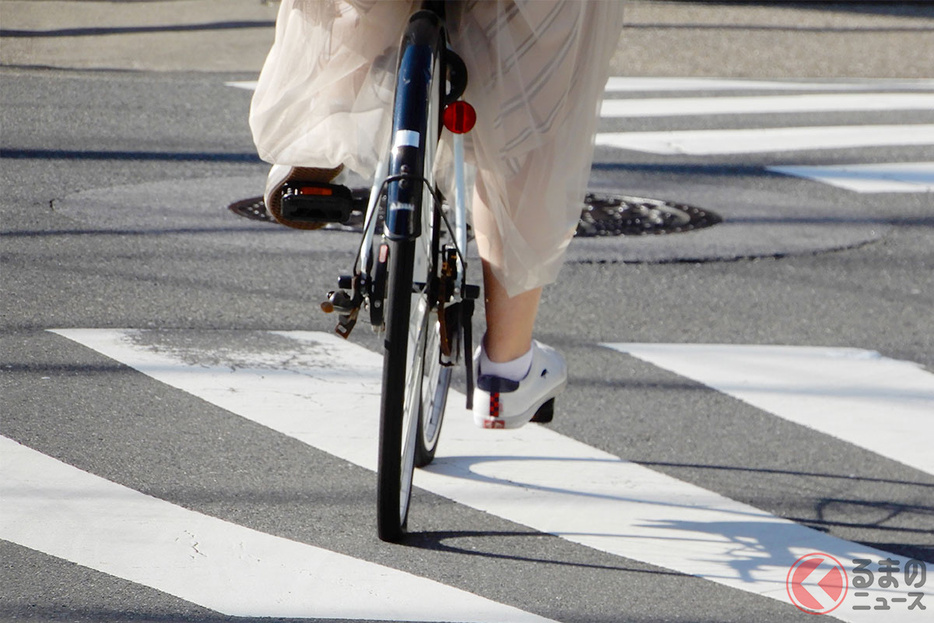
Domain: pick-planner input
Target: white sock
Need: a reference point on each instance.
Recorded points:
(514, 370)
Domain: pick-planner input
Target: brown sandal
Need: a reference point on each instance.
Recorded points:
(299, 174)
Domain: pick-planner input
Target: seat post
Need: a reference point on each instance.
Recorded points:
(435, 6)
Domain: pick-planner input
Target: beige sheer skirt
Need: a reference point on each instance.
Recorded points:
(537, 70)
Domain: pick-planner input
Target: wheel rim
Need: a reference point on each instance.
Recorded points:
(436, 380)
(414, 376)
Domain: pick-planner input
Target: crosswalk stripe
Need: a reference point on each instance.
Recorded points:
(832, 102)
(880, 404)
(246, 85)
(763, 140)
(629, 84)
(532, 476)
(894, 177)
(68, 513)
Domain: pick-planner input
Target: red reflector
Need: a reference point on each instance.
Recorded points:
(460, 117)
(315, 190)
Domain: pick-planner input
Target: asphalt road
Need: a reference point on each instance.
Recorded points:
(113, 205)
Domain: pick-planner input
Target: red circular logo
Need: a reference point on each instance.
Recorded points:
(817, 583)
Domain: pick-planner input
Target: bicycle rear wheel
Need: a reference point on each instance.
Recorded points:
(415, 387)
(415, 384)
(401, 388)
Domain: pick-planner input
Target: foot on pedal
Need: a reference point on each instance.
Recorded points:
(305, 198)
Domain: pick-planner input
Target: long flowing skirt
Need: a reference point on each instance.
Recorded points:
(537, 70)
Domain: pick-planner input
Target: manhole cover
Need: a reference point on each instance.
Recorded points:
(253, 208)
(616, 215)
(605, 215)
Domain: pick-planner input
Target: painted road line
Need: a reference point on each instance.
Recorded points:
(763, 140)
(65, 512)
(304, 384)
(249, 85)
(824, 102)
(873, 402)
(901, 177)
(618, 84)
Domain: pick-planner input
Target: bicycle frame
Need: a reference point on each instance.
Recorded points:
(408, 190)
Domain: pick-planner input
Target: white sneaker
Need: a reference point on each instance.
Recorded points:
(502, 403)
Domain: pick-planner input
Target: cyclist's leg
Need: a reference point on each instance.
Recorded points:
(544, 67)
(518, 378)
(509, 320)
(323, 80)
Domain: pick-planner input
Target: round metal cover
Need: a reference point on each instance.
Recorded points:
(604, 215)
(253, 208)
(617, 215)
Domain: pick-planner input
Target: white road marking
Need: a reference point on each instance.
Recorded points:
(249, 85)
(881, 404)
(824, 102)
(68, 513)
(763, 140)
(901, 177)
(532, 476)
(618, 84)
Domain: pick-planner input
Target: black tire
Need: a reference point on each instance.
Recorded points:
(414, 388)
(394, 470)
(415, 384)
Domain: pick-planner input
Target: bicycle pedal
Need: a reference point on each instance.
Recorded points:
(316, 202)
(338, 301)
(545, 413)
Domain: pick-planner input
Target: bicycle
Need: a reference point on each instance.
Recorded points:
(412, 278)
